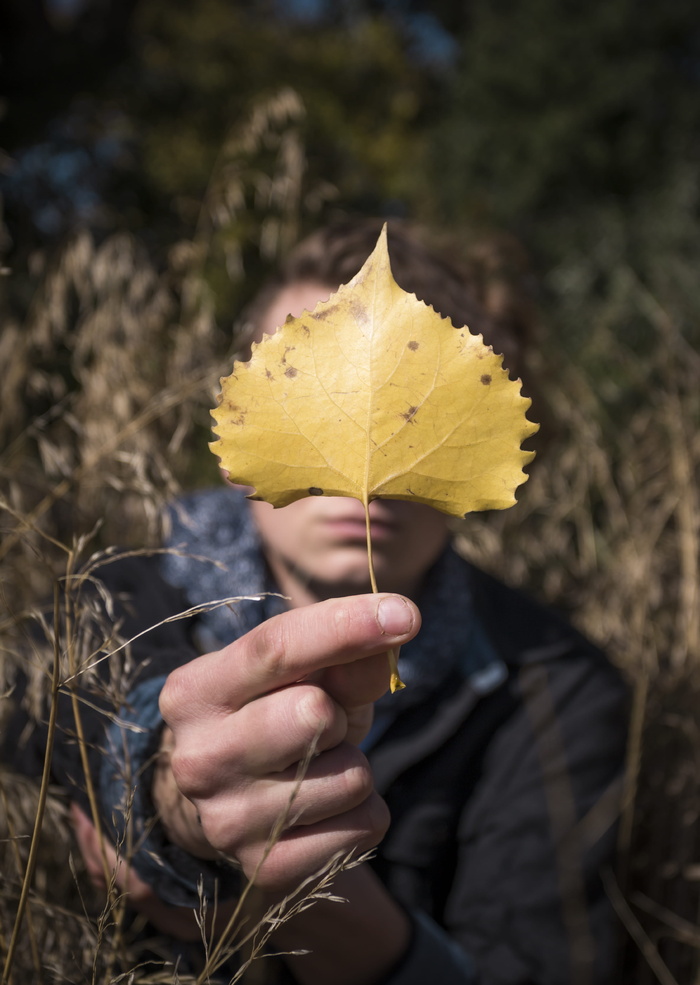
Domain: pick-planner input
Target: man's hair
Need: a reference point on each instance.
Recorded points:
(483, 290)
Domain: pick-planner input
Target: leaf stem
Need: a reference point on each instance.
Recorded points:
(396, 683)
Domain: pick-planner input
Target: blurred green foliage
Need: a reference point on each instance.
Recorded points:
(560, 105)
(222, 131)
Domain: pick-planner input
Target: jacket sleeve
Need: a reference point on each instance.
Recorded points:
(128, 597)
(124, 783)
(117, 701)
(527, 902)
(432, 957)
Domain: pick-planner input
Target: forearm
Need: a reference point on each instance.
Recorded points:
(355, 942)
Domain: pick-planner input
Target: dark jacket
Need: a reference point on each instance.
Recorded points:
(504, 804)
(503, 790)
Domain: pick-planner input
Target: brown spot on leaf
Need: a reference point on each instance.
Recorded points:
(410, 413)
(359, 312)
(486, 379)
(413, 345)
(269, 375)
(290, 372)
(236, 415)
(287, 348)
(315, 491)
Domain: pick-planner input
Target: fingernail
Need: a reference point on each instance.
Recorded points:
(394, 616)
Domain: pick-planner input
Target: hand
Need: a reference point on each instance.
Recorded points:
(242, 719)
(177, 921)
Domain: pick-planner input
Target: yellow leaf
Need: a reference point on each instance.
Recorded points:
(373, 394)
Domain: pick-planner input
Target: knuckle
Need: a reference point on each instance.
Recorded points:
(176, 695)
(358, 783)
(188, 772)
(376, 819)
(220, 835)
(344, 623)
(230, 828)
(268, 644)
(271, 868)
(316, 710)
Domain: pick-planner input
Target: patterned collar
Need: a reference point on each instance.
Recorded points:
(216, 554)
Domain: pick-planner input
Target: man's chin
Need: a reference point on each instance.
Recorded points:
(331, 588)
(357, 583)
(347, 579)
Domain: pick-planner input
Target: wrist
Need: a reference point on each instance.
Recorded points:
(329, 932)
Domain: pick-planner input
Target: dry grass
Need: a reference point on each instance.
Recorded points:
(608, 529)
(106, 389)
(107, 384)
(53, 925)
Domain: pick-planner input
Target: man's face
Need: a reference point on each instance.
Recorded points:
(317, 546)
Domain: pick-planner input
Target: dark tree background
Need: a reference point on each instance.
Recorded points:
(573, 125)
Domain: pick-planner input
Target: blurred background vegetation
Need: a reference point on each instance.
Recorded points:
(158, 157)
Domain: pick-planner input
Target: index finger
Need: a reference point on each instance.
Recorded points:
(286, 649)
